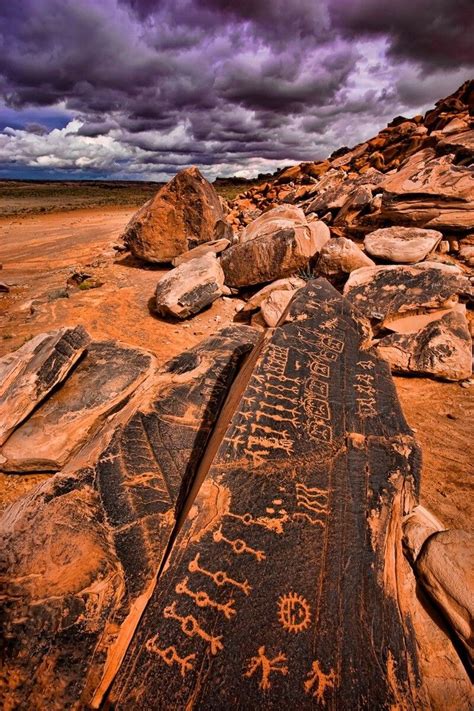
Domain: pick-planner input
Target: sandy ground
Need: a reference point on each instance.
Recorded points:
(38, 254)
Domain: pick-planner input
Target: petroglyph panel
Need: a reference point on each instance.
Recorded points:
(95, 539)
(281, 528)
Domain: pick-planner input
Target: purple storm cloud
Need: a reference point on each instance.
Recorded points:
(140, 88)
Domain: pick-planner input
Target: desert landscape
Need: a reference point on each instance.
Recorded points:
(204, 390)
(236, 355)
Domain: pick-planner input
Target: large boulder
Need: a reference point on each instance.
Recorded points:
(273, 255)
(429, 191)
(405, 245)
(381, 293)
(442, 348)
(190, 287)
(29, 374)
(339, 257)
(182, 215)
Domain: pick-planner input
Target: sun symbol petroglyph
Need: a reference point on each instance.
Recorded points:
(267, 665)
(190, 626)
(219, 577)
(317, 682)
(170, 656)
(294, 612)
(202, 599)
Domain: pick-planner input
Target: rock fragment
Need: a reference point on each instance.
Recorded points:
(339, 257)
(190, 287)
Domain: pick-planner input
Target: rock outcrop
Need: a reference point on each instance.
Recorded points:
(190, 287)
(80, 551)
(430, 191)
(182, 215)
(402, 245)
(31, 372)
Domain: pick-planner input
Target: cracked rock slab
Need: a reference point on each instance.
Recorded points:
(101, 384)
(28, 374)
(402, 245)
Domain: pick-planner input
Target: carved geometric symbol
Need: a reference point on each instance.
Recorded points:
(219, 577)
(190, 627)
(202, 599)
(268, 666)
(319, 681)
(294, 612)
(238, 545)
(170, 655)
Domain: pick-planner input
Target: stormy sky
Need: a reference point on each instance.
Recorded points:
(137, 89)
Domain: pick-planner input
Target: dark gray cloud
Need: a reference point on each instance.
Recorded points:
(152, 85)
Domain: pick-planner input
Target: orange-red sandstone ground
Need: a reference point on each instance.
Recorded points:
(38, 253)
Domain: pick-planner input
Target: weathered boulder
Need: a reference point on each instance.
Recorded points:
(445, 568)
(189, 288)
(101, 383)
(339, 257)
(300, 497)
(430, 192)
(80, 552)
(384, 292)
(31, 372)
(442, 348)
(403, 245)
(182, 215)
(279, 218)
(214, 247)
(274, 306)
(271, 256)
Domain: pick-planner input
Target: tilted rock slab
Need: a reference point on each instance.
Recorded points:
(443, 348)
(182, 215)
(430, 192)
(101, 383)
(279, 218)
(403, 245)
(384, 292)
(272, 256)
(215, 247)
(31, 372)
(280, 590)
(80, 552)
(191, 287)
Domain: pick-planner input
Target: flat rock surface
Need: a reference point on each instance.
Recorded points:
(101, 383)
(30, 373)
(315, 461)
(403, 245)
(94, 538)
